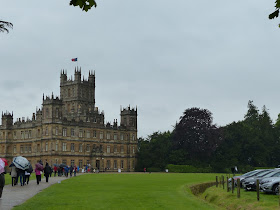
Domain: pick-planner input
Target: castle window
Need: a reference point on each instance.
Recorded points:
(29, 134)
(72, 132)
(122, 149)
(47, 131)
(64, 162)
(108, 149)
(64, 147)
(108, 135)
(80, 147)
(22, 134)
(94, 134)
(121, 163)
(56, 130)
(64, 132)
(133, 164)
(101, 135)
(115, 148)
(47, 146)
(133, 137)
(80, 164)
(115, 136)
(88, 134)
(94, 120)
(26, 134)
(101, 148)
(56, 146)
(80, 133)
(29, 149)
(56, 112)
(26, 149)
(72, 147)
(69, 93)
(72, 162)
(87, 148)
(108, 164)
(122, 136)
(15, 135)
(115, 164)
(133, 150)
(15, 149)
(21, 149)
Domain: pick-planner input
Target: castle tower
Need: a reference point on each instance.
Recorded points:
(78, 95)
(7, 120)
(129, 118)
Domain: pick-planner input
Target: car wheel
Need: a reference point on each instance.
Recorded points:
(275, 189)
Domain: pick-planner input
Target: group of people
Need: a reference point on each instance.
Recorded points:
(66, 170)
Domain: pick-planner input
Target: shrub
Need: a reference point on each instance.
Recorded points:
(187, 169)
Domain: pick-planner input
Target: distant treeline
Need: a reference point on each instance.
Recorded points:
(199, 144)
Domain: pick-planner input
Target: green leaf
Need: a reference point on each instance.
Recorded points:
(274, 14)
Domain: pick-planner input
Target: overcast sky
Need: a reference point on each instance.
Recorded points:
(161, 56)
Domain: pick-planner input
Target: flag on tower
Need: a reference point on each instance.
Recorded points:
(74, 59)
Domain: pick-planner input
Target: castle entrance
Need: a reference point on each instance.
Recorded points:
(98, 164)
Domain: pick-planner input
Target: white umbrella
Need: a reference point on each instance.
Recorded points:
(2, 166)
(21, 162)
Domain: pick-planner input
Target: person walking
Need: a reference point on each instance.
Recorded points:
(55, 170)
(21, 174)
(2, 182)
(38, 170)
(27, 175)
(75, 170)
(47, 171)
(14, 175)
(71, 170)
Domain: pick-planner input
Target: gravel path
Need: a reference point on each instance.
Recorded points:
(16, 195)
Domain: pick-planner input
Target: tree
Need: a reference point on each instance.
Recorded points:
(196, 135)
(275, 14)
(85, 5)
(5, 25)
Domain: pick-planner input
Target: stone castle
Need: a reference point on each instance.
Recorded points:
(71, 130)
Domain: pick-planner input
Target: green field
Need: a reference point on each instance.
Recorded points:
(248, 199)
(122, 191)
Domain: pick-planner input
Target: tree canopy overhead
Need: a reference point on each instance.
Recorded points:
(275, 14)
(85, 5)
(5, 25)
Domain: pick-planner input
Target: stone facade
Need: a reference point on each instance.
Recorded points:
(71, 130)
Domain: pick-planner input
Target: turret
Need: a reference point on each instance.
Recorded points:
(7, 120)
(63, 77)
(129, 118)
(77, 75)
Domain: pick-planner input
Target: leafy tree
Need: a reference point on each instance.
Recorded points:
(5, 25)
(196, 134)
(275, 14)
(85, 5)
(154, 151)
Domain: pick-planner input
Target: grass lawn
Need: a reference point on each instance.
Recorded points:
(122, 191)
(247, 200)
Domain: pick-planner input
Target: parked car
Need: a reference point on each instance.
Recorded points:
(251, 182)
(246, 175)
(270, 185)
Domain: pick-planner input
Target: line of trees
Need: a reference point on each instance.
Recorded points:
(196, 141)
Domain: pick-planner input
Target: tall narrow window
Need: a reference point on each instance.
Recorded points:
(101, 135)
(115, 136)
(94, 134)
(72, 132)
(115, 164)
(80, 133)
(108, 135)
(56, 130)
(121, 163)
(121, 136)
(64, 147)
(47, 146)
(64, 132)
(72, 147)
(80, 147)
(108, 149)
(56, 146)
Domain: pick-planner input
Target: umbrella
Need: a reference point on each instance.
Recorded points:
(62, 165)
(2, 166)
(21, 162)
(55, 164)
(12, 165)
(39, 166)
(5, 161)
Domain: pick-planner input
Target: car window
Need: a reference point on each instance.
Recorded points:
(259, 173)
(276, 175)
(268, 174)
